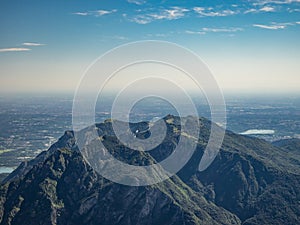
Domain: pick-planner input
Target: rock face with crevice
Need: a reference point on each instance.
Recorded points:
(250, 182)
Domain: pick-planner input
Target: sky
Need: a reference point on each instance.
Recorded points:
(251, 46)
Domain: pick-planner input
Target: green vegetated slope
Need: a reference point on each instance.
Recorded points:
(250, 182)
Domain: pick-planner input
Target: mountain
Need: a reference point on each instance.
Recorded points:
(250, 182)
(292, 145)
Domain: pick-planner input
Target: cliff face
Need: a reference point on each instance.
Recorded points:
(250, 182)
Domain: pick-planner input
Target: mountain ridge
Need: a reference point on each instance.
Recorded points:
(246, 184)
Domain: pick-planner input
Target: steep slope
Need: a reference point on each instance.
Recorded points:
(251, 178)
(292, 144)
(258, 182)
(59, 187)
(291, 147)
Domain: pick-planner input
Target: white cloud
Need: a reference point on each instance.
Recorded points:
(251, 11)
(206, 30)
(137, 2)
(141, 19)
(96, 13)
(257, 132)
(267, 9)
(298, 22)
(159, 35)
(172, 13)
(291, 1)
(195, 32)
(216, 30)
(210, 12)
(285, 24)
(270, 27)
(81, 13)
(263, 9)
(291, 10)
(277, 2)
(32, 44)
(102, 12)
(275, 26)
(14, 49)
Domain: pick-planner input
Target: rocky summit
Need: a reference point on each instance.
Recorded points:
(250, 182)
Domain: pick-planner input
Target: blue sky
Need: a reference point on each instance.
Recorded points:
(250, 46)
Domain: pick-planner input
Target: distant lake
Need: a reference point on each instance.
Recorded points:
(4, 169)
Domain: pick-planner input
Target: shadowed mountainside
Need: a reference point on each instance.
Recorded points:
(250, 182)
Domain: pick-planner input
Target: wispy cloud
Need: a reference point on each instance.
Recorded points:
(140, 19)
(81, 13)
(270, 27)
(172, 13)
(251, 11)
(257, 132)
(14, 49)
(275, 26)
(216, 30)
(104, 12)
(195, 32)
(277, 2)
(159, 35)
(210, 12)
(267, 9)
(97, 13)
(263, 6)
(205, 30)
(137, 2)
(263, 9)
(32, 44)
(293, 10)
(21, 49)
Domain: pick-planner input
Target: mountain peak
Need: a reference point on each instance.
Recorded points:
(243, 185)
